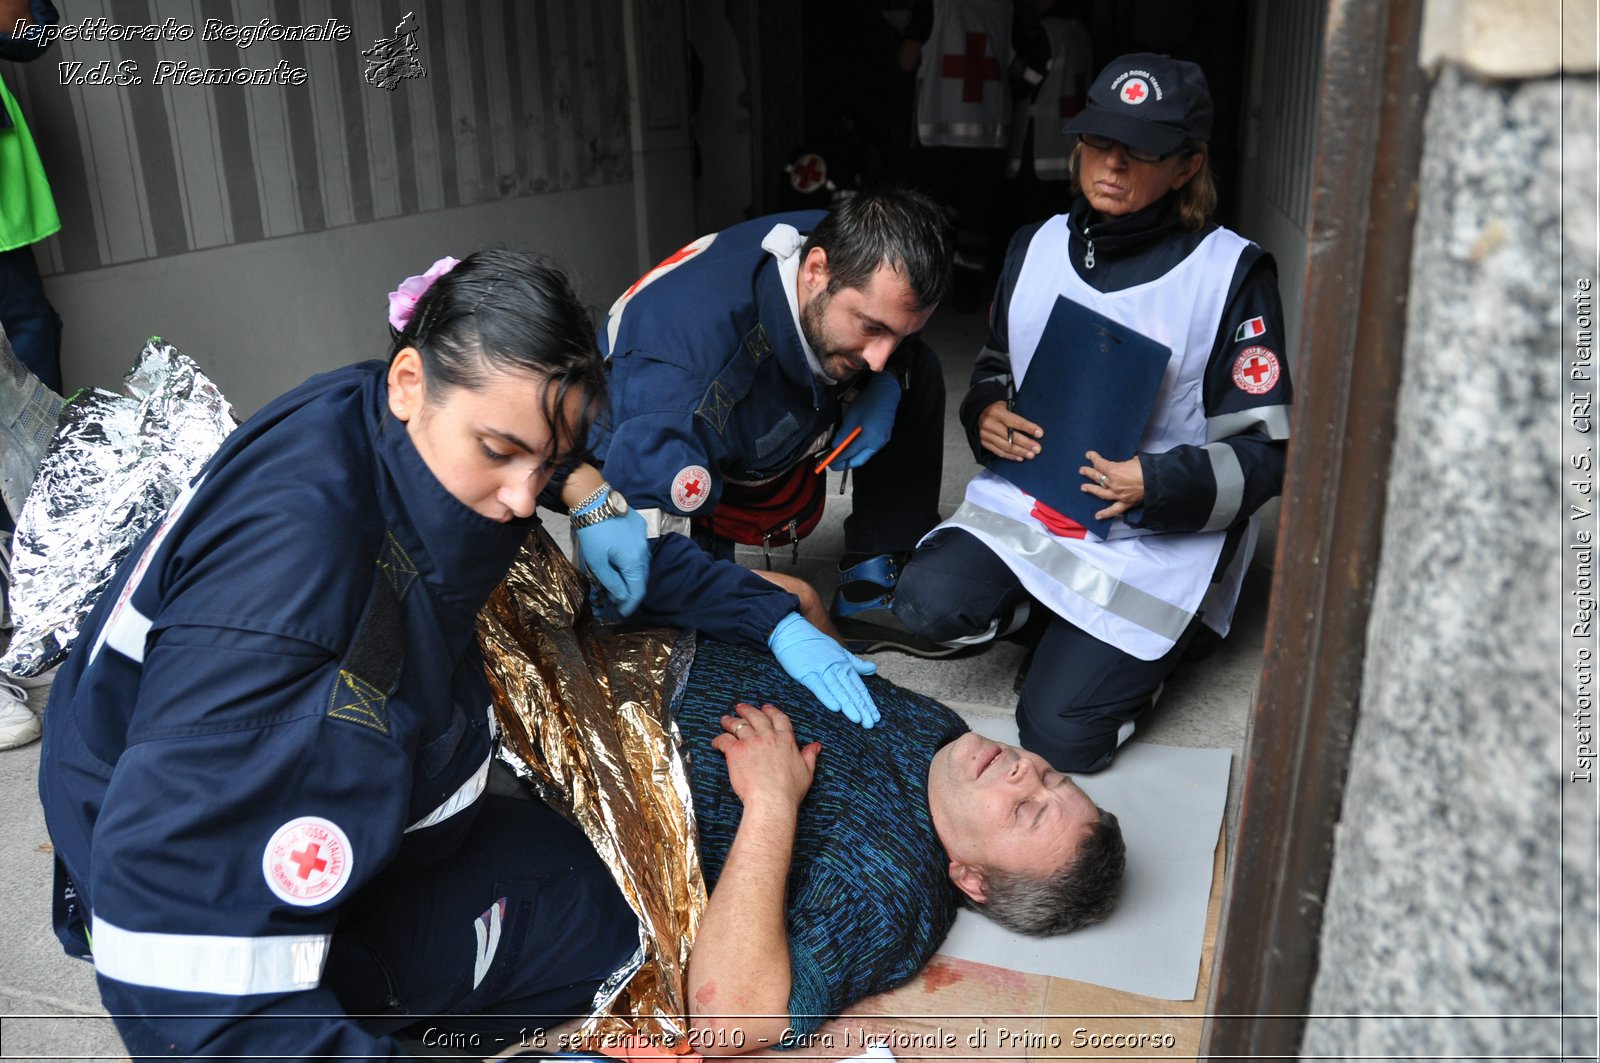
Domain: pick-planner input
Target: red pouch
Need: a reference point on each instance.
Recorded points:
(783, 510)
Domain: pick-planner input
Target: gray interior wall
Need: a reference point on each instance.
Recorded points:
(261, 317)
(1274, 209)
(1445, 897)
(258, 227)
(1280, 122)
(658, 61)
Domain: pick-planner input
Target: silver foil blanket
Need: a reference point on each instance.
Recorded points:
(114, 466)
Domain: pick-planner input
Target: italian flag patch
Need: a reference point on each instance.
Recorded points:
(1250, 330)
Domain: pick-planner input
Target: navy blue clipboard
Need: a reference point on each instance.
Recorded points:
(1091, 385)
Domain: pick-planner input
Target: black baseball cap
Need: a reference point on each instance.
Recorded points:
(1147, 101)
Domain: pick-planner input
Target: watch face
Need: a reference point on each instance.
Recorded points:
(618, 503)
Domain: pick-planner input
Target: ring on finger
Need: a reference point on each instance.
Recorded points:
(1102, 479)
(741, 723)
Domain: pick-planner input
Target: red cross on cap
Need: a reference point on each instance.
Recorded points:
(1134, 91)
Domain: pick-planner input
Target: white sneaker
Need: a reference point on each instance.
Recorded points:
(18, 724)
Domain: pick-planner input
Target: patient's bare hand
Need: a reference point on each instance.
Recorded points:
(765, 766)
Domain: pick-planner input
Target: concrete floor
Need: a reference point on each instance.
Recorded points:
(50, 1007)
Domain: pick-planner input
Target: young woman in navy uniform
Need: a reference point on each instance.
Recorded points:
(265, 762)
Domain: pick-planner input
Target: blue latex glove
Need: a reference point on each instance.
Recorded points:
(873, 409)
(617, 553)
(828, 670)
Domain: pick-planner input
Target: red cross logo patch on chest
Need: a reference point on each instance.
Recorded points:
(307, 861)
(1256, 370)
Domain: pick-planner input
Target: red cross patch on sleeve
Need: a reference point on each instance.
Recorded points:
(1256, 370)
(307, 861)
(690, 488)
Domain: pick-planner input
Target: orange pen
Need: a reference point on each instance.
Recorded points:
(851, 438)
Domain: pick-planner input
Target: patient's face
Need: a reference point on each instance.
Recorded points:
(1001, 807)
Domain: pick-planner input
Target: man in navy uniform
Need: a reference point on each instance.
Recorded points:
(736, 365)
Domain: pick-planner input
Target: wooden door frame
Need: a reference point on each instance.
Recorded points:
(1368, 150)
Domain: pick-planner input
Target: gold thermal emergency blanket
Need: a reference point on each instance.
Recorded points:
(583, 714)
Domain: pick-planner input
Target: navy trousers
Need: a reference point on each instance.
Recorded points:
(31, 323)
(895, 500)
(515, 931)
(1080, 692)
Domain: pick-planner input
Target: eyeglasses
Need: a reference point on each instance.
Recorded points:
(1100, 143)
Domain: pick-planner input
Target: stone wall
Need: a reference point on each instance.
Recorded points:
(1446, 897)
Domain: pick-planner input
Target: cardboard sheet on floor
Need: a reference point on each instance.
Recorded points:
(1170, 803)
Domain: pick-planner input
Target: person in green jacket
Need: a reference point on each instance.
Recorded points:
(27, 210)
(27, 215)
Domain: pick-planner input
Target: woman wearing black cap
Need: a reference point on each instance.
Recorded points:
(1136, 260)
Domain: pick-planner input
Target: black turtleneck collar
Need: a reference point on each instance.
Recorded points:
(1130, 249)
(461, 555)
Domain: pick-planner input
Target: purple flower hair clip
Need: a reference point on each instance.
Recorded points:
(403, 300)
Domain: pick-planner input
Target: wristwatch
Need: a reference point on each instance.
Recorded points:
(613, 506)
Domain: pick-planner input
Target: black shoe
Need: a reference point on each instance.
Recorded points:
(879, 629)
(1202, 645)
(863, 611)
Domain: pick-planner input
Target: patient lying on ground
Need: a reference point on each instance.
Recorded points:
(836, 857)
(873, 838)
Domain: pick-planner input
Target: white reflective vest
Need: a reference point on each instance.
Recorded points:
(1134, 589)
(1061, 95)
(963, 99)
